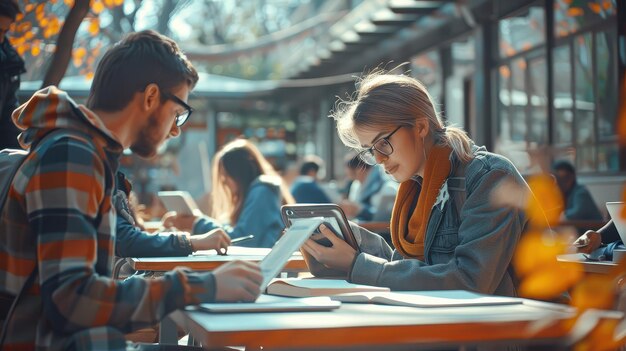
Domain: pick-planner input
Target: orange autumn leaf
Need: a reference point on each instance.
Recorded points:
(35, 50)
(94, 27)
(601, 338)
(118, 2)
(109, 3)
(537, 251)
(596, 8)
(549, 283)
(29, 8)
(97, 7)
(607, 4)
(69, 3)
(89, 75)
(575, 12)
(595, 291)
(547, 202)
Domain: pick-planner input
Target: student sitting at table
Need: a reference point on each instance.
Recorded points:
(601, 242)
(246, 197)
(446, 230)
(133, 241)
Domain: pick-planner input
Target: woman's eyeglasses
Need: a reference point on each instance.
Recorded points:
(382, 146)
(181, 118)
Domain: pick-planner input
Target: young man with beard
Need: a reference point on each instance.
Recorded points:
(58, 220)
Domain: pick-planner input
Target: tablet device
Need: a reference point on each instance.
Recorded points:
(331, 214)
(179, 201)
(334, 218)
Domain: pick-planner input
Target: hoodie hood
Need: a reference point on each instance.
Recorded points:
(51, 108)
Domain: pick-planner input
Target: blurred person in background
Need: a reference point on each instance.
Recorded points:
(11, 67)
(579, 204)
(305, 188)
(369, 186)
(246, 198)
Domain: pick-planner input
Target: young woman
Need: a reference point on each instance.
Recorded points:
(246, 197)
(446, 230)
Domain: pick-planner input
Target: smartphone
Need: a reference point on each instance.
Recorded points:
(333, 218)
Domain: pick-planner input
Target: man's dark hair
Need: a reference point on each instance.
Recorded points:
(564, 165)
(9, 8)
(311, 163)
(135, 62)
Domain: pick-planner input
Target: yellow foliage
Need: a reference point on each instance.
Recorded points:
(94, 27)
(551, 204)
(97, 7)
(89, 75)
(120, 2)
(575, 12)
(549, 283)
(595, 291)
(607, 4)
(35, 50)
(596, 8)
(69, 3)
(601, 338)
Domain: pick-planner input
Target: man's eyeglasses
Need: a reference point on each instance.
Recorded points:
(382, 146)
(181, 118)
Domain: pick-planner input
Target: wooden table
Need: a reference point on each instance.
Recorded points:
(367, 326)
(600, 267)
(210, 260)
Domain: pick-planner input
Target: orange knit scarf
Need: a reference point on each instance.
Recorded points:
(409, 239)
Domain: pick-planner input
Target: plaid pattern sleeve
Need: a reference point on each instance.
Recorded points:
(67, 203)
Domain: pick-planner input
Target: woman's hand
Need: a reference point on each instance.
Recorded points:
(588, 242)
(216, 239)
(180, 222)
(339, 256)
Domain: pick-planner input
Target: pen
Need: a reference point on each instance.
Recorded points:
(241, 239)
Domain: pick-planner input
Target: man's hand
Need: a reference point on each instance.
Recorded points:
(339, 256)
(173, 220)
(588, 242)
(216, 239)
(237, 281)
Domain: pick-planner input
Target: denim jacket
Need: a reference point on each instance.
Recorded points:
(469, 241)
(260, 215)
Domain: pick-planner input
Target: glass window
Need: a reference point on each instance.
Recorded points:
(563, 116)
(538, 111)
(608, 157)
(427, 69)
(606, 78)
(504, 101)
(584, 90)
(570, 16)
(585, 158)
(522, 32)
(519, 100)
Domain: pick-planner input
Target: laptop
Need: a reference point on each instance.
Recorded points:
(615, 210)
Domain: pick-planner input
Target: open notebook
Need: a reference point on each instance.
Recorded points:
(298, 287)
(441, 298)
(267, 303)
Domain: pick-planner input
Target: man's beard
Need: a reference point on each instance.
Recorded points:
(149, 139)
